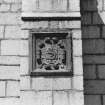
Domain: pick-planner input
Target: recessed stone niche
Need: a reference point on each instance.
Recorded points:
(54, 73)
(51, 53)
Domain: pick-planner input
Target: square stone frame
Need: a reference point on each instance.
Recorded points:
(58, 73)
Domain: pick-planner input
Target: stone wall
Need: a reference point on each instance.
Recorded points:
(53, 90)
(93, 32)
(15, 83)
(10, 37)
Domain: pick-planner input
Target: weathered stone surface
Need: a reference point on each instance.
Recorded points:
(77, 65)
(4, 7)
(74, 5)
(77, 49)
(95, 87)
(51, 84)
(24, 65)
(40, 5)
(97, 19)
(43, 4)
(42, 84)
(101, 71)
(92, 100)
(94, 59)
(90, 32)
(13, 32)
(89, 71)
(59, 5)
(89, 5)
(77, 34)
(13, 88)
(29, 6)
(25, 34)
(103, 32)
(15, 48)
(9, 60)
(62, 83)
(104, 100)
(16, 7)
(36, 25)
(24, 47)
(103, 4)
(54, 24)
(76, 98)
(100, 5)
(1, 32)
(61, 98)
(86, 18)
(1, 1)
(70, 24)
(12, 1)
(36, 98)
(10, 47)
(10, 101)
(2, 88)
(77, 82)
(25, 82)
(94, 46)
(13, 18)
(9, 72)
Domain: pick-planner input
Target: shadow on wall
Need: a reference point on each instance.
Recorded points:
(93, 34)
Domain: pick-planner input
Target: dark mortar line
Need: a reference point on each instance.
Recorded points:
(102, 100)
(97, 73)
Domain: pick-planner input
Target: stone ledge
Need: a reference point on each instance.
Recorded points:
(51, 74)
(29, 16)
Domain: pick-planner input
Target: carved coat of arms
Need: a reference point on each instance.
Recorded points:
(51, 54)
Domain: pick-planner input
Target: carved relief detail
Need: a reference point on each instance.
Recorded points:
(51, 53)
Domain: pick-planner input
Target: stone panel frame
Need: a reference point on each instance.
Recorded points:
(32, 57)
